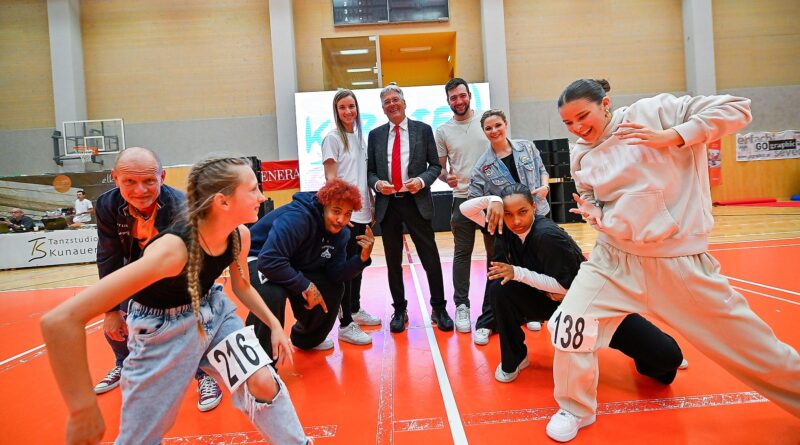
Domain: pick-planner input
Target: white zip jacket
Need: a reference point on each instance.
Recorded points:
(656, 202)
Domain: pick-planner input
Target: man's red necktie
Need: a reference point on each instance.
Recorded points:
(397, 176)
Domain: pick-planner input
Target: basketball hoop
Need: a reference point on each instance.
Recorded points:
(86, 152)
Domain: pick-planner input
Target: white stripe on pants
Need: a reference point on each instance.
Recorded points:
(690, 295)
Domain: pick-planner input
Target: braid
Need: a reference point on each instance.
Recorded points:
(193, 273)
(237, 248)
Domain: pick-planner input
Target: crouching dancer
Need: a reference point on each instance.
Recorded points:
(533, 265)
(299, 253)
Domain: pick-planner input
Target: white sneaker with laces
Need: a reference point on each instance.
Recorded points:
(481, 336)
(534, 326)
(684, 364)
(324, 346)
(463, 323)
(364, 318)
(352, 333)
(508, 377)
(564, 425)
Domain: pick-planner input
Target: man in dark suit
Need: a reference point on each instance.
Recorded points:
(402, 164)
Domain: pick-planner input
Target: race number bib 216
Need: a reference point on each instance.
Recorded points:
(572, 333)
(238, 356)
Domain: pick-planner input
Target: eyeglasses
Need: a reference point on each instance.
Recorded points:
(392, 101)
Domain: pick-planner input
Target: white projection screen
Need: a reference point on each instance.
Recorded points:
(314, 114)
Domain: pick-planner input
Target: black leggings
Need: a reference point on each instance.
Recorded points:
(655, 353)
(312, 326)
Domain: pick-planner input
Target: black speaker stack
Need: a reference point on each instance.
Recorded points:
(555, 157)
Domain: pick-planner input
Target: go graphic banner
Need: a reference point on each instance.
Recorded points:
(314, 114)
(765, 146)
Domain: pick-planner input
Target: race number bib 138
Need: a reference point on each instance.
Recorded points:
(238, 356)
(572, 333)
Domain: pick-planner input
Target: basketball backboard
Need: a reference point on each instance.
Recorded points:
(98, 137)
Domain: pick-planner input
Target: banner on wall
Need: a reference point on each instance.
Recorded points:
(279, 175)
(766, 146)
(714, 150)
(314, 114)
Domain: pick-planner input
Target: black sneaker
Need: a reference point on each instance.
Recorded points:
(442, 319)
(399, 320)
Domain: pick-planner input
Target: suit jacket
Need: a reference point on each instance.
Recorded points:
(423, 162)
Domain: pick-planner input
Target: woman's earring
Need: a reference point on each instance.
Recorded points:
(608, 114)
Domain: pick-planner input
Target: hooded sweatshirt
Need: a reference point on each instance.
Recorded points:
(292, 239)
(656, 202)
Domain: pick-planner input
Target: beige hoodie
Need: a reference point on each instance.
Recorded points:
(656, 201)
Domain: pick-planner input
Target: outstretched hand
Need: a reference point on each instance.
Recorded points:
(114, 326)
(501, 271)
(85, 427)
(590, 212)
(641, 135)
(313, 298)
(366, 241)
(282, 348)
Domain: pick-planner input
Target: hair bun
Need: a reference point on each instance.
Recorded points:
(604, 84)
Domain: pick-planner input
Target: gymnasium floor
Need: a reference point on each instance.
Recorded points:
(429, 387)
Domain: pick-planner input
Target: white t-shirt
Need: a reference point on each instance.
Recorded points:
(462, 143)
(81, 211)
(351, 166)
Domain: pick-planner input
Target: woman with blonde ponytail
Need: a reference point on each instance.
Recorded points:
(180, 318)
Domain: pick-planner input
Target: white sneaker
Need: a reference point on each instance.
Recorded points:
(534, 326)
(564, 425)
(463, 323)
(352, 333)
(508, 377)
(481, 336)
(364, 318)
(324, 346)
(684, 364)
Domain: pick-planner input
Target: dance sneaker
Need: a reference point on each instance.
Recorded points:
(508, 377)
(324, 346)
(399, 320)
(110, 381)
(481, 336)
(564, 425)
(463, 323)
(363, 318)
(534, 326)
(442, 319)
(210, 394)
(352, 333)
(684, 364)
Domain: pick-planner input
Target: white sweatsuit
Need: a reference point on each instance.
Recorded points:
(650, 255)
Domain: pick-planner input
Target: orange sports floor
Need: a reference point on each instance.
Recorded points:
(429, 387)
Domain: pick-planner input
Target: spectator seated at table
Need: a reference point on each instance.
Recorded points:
(19, 222)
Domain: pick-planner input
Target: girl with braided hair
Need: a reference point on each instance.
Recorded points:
(180, 318)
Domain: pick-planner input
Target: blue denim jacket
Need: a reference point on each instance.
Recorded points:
(490, 175)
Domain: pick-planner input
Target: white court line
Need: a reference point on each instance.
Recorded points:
(33, 350)
(754, 241)
(764, 286)
(623, 407)
(453, 416)
(753, 234)
(754, 247)
(766, 295)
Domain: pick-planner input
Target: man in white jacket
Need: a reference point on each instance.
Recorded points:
(643, 181)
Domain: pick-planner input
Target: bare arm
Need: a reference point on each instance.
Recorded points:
(252, 300)
(65, 336)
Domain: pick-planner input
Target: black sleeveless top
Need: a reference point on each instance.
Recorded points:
(173, 291)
